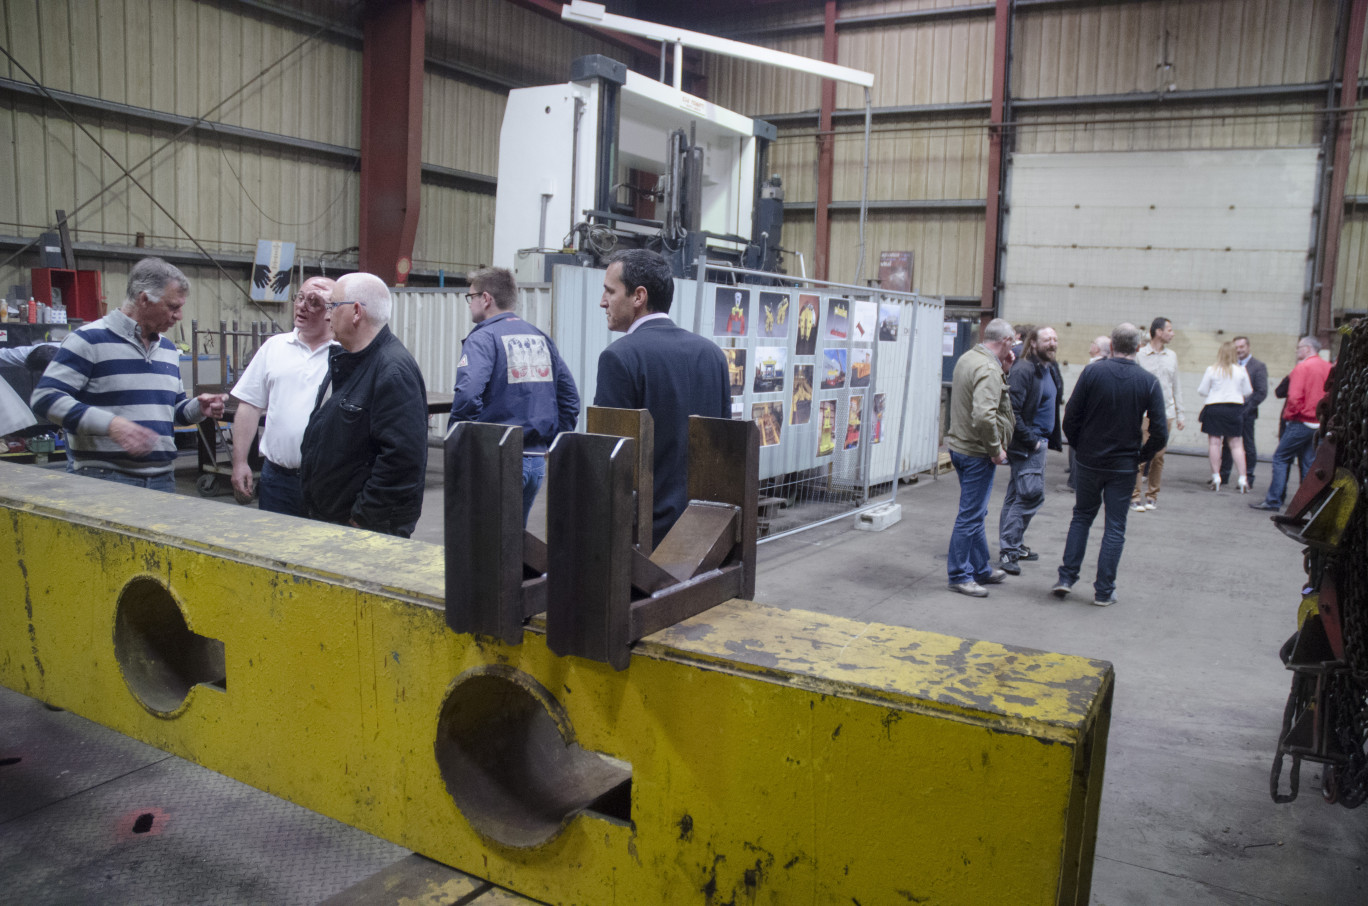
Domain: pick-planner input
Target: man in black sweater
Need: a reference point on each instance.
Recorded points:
(1103, 422)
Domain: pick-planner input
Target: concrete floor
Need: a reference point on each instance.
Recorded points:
(1208, 592)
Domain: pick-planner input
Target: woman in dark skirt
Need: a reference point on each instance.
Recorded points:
(1225, 386)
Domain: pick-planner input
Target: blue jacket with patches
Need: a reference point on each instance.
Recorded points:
(511, 374)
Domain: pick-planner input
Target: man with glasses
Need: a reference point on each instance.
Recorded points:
(1305, 390)
(364, 453)
(511, 374)
(281, 382)
(115, 385)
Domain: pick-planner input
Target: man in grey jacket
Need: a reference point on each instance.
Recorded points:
(980, 432)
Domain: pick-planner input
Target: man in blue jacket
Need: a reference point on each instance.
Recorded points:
(1037, 390)
(511, 374)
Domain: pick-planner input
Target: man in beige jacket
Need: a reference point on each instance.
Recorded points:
(980, 431)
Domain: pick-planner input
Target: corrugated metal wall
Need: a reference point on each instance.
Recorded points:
(290, 69)
(936, 57)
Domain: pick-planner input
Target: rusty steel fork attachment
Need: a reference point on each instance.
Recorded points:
(495, 569)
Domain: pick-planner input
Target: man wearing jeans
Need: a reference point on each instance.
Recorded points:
(115, 385)
(1036, 388)
(281, 381)
(980, 432)
(511, 374)
(1103, 420)
(1305, 390)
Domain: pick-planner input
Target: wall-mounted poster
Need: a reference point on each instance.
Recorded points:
(826, 436)
(736, 370)
(852, 438)
(895, 271)
(800, 413)
(880, 401)
(738, 408)
(833, 368)
(773, 315)
(889, 316)
(807, 324)
(770, 418)
(838, 318)
(729, 312)
(271, 270)
(769, 368)
(866, 322)
(860, 360)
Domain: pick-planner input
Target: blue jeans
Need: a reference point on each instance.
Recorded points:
(1025, 494)
(534, 470)
(279, 490)
(968, 560)
(1297, 441)
(163, 482)
(1096, 488)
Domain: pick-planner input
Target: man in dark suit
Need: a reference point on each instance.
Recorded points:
(1258, 377)
(660, 367)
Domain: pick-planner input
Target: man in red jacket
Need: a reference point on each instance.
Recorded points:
(1305, 390)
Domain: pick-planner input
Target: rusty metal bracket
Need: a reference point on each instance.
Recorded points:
(603, 591)
(1320, 517)
(495, 570)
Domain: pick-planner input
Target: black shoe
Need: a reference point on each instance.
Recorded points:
(1008, 565)
(1265, 505)
(1025, 553)
(1061, 589)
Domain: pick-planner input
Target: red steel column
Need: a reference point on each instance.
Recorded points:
(391, 134)
(825, 157)
(1339, 168)
(1002, 29)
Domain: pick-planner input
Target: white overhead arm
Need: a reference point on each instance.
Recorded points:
(596, 14)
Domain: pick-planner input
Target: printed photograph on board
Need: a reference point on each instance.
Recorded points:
(826, 436)
(807, 324)
(770, 418)
(852, 437)
(800, 412)
(773, 315)
(833, 368)
(738, 408)
(838, 318)
(729, 312)
(860, 364)
(895, 271)
(866, 322)
(880, 400)
(736, 370)
(889, 316)
(769, 368)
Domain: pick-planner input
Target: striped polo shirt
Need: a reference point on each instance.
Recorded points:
(102, 371)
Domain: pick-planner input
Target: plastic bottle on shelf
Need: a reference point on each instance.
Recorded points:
(32, 311)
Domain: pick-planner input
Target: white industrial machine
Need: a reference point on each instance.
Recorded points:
(613, 160)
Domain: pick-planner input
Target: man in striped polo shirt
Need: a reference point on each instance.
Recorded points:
(115, 385)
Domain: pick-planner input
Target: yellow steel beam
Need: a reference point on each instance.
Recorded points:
(774, 756)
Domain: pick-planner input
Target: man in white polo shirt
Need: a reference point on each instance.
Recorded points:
(282, 381)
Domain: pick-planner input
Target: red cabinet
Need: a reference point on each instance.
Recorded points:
(80, 290)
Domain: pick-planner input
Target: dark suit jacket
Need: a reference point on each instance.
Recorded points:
(673, 374)
(1258, 377)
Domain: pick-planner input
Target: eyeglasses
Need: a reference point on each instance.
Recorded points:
(312, 301)
(471, 297)
(332, 305)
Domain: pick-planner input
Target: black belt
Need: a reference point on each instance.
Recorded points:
(293, 473)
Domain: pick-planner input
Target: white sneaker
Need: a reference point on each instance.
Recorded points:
(1137, 506)
(1151, 504)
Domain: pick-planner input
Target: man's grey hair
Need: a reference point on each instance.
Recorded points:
(998, 329)
(371, 290)
(1103, 345)
(1125, 339)
(153, 276)
(1310, 341)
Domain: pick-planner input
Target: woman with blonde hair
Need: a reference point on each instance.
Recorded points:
(1225, 386)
